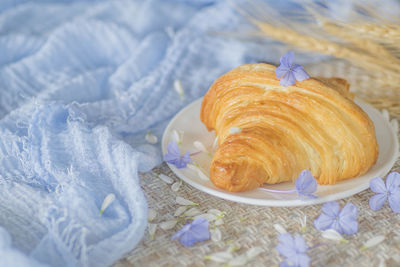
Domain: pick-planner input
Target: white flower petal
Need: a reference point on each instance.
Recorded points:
(166, 178)
(107, 201)
(199, 145)
(179, 88)
(219, 222)
(240, 260)
(254, 252)
(232, 248)
(215, 234)
(207, 216)
(180, 211)
(235, 130)
(333, 235)
(151, 215)
(200, 173)
(220, 257)
(152, 139)
(303, 223)
(184, 202)
(192, 212)
(215, 143)
(373, 242)
(279, 228)
(168, 224)
(177, 136)
(175, 187)
(214, 211)
(152, 227)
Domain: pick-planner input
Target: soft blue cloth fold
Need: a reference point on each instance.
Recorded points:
(80, 84)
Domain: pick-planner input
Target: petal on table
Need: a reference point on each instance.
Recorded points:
(323, 222)
(376, 202)
(331, 209)
(377, 185)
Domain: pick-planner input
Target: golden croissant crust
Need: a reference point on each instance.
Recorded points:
(312, 125)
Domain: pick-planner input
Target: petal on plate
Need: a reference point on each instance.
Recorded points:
(173, 149)
(377, 185)
(376, 202)
(306, 183)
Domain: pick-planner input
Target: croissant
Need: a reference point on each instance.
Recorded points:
(312, 125)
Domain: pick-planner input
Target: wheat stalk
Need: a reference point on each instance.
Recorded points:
(389, 70)
(373, 31)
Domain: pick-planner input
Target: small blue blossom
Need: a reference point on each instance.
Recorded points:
(193, 232)
(306, 185)
(342, 221)
(174, 156)
(294, 249)
(288, 72)
(390, 191)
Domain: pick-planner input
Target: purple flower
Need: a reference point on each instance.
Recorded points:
(193, 232)
(306, 185)
(294, 249)
(174, 156)
(390, 191)
(342, 221)
(288, 72)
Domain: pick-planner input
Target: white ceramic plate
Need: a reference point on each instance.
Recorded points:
(188, 121)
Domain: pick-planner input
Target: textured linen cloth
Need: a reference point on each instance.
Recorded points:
(80, 84)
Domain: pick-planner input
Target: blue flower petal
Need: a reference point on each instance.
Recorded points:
(286, 245)
(323, 222)
(191, 233)
(348, 227)
(281, 71)
(392, 181)
(286, 263)
(377, 185)
(376, 202)
(394, 200)
(186, 158)
(306, 183)
(348, 219)
(349, 211)
(287, 59)
(303, 260)
(300, 244)
(288, 79)
(299, 73)
(331, 209)
(173, 149)
(181, 232)
(336, 226)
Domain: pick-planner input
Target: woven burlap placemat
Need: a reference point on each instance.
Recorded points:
(247, 226)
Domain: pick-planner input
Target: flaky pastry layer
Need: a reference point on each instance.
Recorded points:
(312, 125)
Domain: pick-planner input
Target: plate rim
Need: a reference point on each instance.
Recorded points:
(281, 202)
